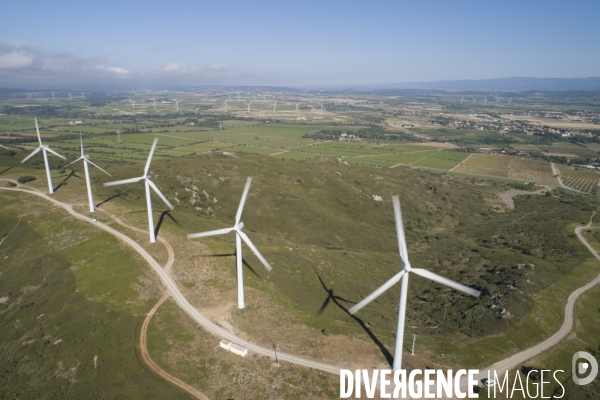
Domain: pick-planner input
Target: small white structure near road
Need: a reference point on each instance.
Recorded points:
(234, 348)
(226, 344)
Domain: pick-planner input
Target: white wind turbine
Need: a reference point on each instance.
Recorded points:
(497, 100)
(225, 105)
(177, 104)
(321, 108)
(45, 150)
(509, 101)
(248, 104)
(473, 100)
(70, 97)
(403, 275)
(133, 104)
(4, 147)
(238, 243)
(52, 95)
(461, 100)
(149, 184)
(154, 102)
(86, 161)
(275, 106)
(238, 95)
(297, 104)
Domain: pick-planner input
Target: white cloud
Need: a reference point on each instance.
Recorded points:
(116, 70)
(15, 59)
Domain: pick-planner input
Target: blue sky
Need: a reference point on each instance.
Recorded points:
(162, 43)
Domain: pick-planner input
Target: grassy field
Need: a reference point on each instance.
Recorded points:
(568, 149)
(70, 312)
(508, 167)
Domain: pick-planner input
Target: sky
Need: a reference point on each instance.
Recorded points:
(165, 44)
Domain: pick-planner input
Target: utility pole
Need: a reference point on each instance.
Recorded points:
(276, 347)
(413, 346)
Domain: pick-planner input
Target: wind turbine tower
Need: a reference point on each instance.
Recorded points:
(45, 150)
(275, 106)
(321, 108)
(497, 100)
(225, 105)
(52, 95)
(148, 184)
(177, 104)
(248, 104)
(402, 277)
(461, 100)
(297, 104)
(239, 237)
(238, 95)
(473, 100)
(86, 159)
(154, 102)
(133, 104)
(70, 97)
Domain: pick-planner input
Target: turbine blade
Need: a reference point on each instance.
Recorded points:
(158, 192)
(445, 281)
(238, 216)
(378, 292)
(37, 129)
(147, 167)
(246, 239)
(32, 154)
(48, 149)
(71, 163)
(4, 147)
(209, 233)
(400, 229)
(97, 167)
(121, 182)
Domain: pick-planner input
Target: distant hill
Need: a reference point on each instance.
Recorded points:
(515, 84)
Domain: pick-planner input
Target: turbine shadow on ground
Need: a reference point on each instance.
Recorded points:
(161, 220)
(233, 255)
(331, 297)
(9, 168)
(72, 173)
(112, 197)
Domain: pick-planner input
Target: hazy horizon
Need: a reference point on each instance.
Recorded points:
(112, 45)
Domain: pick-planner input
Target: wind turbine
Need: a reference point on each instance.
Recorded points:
(497, 100)
(225, 105)
(238, 243)
(45, 150)
(86, 160)
(509, 101)
(149, 184)
(133, 104)
(248, 104)
(4, 147)
(52, 95)
(297, 104)
(177, 104)
(275, 106)
(228, 96)
(473, 100)
(461, 99)
(238, 95)
(154, 102)
(321, 108)
(403, 275)
(70, 97)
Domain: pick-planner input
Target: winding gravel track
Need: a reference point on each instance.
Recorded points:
(180, 298)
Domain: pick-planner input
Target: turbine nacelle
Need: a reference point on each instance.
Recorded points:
(406, 266)
(238, 227)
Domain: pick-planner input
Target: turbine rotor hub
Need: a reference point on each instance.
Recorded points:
(239, 226)
(406, 266)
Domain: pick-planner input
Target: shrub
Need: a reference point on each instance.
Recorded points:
(26, 178)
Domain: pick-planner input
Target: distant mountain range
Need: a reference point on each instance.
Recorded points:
(515, 84)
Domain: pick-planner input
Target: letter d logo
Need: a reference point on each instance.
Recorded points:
(583, 367)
